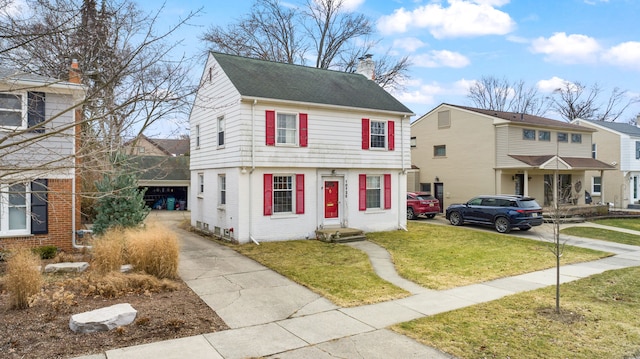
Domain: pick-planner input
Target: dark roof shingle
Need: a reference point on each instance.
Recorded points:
(274, 80)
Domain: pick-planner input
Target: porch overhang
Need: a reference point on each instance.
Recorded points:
(554, 162)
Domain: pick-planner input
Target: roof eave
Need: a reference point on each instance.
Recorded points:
(322, 105)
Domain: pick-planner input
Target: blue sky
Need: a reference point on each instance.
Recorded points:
(453, 43)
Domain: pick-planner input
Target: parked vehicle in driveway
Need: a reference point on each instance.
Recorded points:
(422, 203)
(503, 212)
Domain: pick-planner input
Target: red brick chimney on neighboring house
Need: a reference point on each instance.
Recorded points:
(74, 72)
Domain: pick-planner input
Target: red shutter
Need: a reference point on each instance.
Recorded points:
(303, 130)
(362, 192)
(270, 116)
(392, 135)
(299, 194)
(365, 133)
(387, 191)
(268, 194)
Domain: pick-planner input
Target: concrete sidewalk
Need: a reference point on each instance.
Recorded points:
(271, 316)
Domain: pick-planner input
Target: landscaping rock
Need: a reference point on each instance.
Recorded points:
(103, 319)
(66, 267)
(126, 268)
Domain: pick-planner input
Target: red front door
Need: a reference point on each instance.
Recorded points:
(331, 199)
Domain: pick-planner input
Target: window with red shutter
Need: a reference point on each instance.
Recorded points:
(300, 194)
(270, 117)
(391, 134)
(365, 133)
(387, 191)
(268, 194)
(303, 130)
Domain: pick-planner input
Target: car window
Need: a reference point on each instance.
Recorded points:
(529, 203)
(475, 202)
(425, 197)
(490, 202)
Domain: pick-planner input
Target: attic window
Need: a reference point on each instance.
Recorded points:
(529, 134)
(576, 138)
(444, 119)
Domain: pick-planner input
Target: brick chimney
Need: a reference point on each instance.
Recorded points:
(74, 72)
(366, 67)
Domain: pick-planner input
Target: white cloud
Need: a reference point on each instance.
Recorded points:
(461, 19)
(409, 44)
(626, 54)
(571, 49)
(351, 5)
(440, 58)
(552, 84)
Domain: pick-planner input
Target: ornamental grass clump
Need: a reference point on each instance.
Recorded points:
(23, 279)
(109, 251)
(154, 250)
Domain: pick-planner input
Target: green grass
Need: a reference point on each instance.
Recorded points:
(338, 272)
(628, 223)
(602, 234)
(441, 257)
(598, 320)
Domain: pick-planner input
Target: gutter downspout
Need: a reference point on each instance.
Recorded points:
(403, 172)
(253, 167)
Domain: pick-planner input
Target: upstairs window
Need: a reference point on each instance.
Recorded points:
(220, 131)
(197, 136)
(637, 150)
(563, 137)
(440, 151)
(576, 138)
(22, 110)
(529, 134)
(286, 129)
(378, 134)
(544, 136)
(594, 150)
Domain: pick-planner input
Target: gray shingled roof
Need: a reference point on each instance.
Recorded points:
(625, 128)
(171, 146)
(274, 80)
(161, 168)
(526, 119)
(7, 75)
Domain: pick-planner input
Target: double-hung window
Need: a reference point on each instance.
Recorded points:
(14, 209)
(375, 192)
(596, 185)
(378, 134)
(283, 194)
(200, 183)
(222, 188)
(287, 129)
(22, 110)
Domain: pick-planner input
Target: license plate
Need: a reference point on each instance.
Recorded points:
(430, 204)
(534, 214)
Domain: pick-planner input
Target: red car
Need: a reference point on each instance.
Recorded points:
(422, 203)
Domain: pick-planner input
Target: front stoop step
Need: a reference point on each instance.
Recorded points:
(340, 235)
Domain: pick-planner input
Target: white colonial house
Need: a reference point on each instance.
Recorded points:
(619, 145)
(279, 151)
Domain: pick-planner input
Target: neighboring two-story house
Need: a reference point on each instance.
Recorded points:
(279, 151)
(617, 144)
(37, 160)
(459, 152)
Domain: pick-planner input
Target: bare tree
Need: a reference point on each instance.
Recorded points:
(576, 100)
(493, 93)
(323, 30)
(133, 79)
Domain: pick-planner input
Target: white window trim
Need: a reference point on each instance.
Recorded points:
(23, 99)
(200, 184)
(381, 194)
(222, 187)
(296, 138)
(197, 136)
(385, 127)
(4, 213)
(593, 192)
(291, 213)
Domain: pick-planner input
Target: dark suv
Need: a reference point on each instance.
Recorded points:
(504, 212)
(422, 203)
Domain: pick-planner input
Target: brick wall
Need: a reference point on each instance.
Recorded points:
(60, 221)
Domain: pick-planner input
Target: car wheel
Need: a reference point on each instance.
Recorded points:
(502, 225)
(455, 218)
(431, 215)
(410, 213)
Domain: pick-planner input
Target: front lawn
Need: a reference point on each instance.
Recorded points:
(628, 223)
(598, 319)
(338, 272)
(442, 257)
(602, 234)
